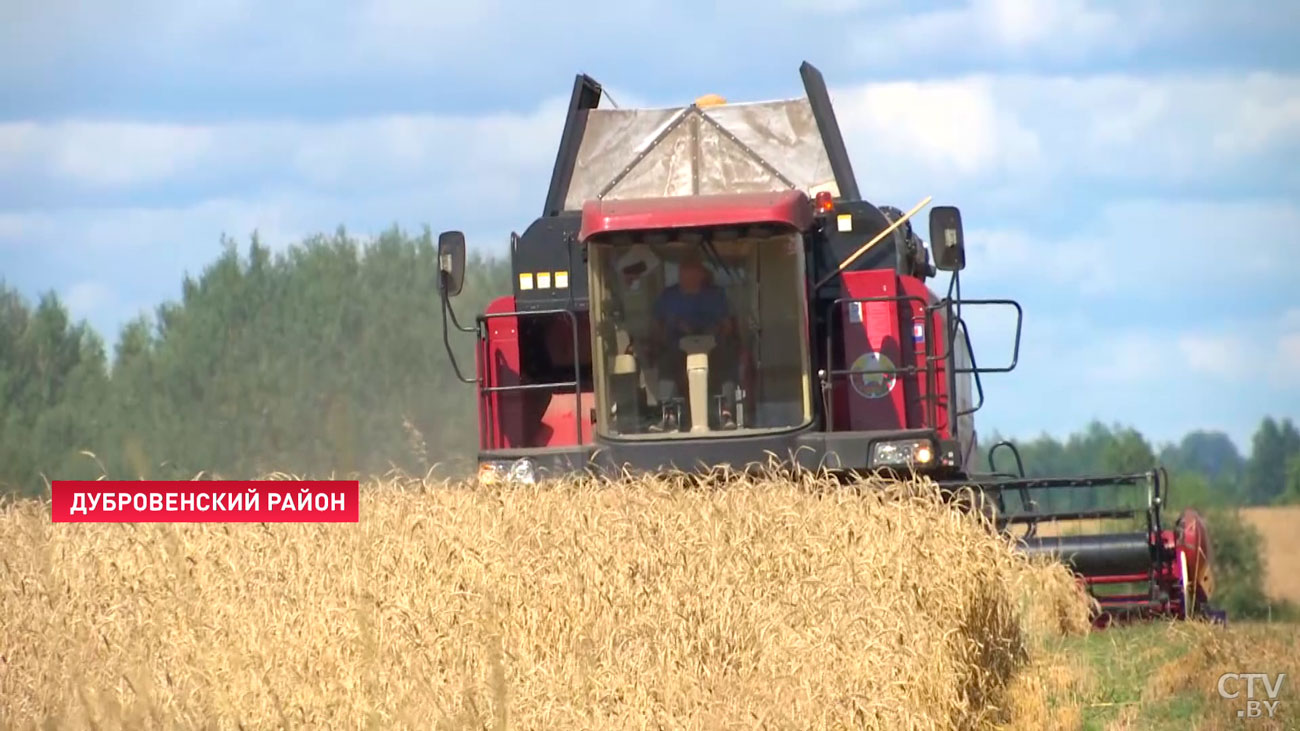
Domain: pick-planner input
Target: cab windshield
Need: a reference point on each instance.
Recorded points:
(704, 335)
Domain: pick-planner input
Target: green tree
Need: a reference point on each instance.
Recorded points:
(52, 388)
(324, 359)
(1273, 444)
(1190, 489)
(1291, 491)
(1210, 453)
(1238, 565)
(1098, 450)
(1126, 451)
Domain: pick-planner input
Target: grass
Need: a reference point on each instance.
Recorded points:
(1156, 676)
(574, 605)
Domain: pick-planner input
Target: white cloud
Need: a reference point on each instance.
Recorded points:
(412, 48)
(396, 29)
(18, 227)
(1162, 377)
(1149, 246)
(1288, 350)
(271, 45)
(143, 243)
(950, 138)
(85, 298)
(1043, 24)
(190, 231)
(1087, 264)
(1291, 318)
(121, 154)
(1243, 352)
(1176, 129)
(1285, 360)
(1219, 354)
(1050, 131)
(838, 7)
(1126, 357)
(946, 125)
(1020, 134)
(1058, 29)
(376, 152)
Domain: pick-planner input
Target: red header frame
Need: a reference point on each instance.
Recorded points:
(790, 208)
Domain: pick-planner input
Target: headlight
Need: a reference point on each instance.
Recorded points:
(522, 472)
(902, 453)
(518, 472)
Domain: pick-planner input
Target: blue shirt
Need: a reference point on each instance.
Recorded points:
(690, 314)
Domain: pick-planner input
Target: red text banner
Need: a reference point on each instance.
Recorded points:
(195, 501)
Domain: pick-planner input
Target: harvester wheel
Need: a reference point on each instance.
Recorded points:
(1216, 616)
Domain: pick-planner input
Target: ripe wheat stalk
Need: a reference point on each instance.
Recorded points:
(574, 604)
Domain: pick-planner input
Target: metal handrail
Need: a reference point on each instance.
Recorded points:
(1154, 480)
(974, 369)
(1020, 321)
(576, 383)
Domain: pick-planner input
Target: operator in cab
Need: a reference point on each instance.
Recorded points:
(695, 306)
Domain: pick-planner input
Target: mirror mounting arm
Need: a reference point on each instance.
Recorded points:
(451, 278)
(446, 305)
(446, 340)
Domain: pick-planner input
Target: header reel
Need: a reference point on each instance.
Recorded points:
(1121, 552)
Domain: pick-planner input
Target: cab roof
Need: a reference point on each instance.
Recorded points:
(787, 208)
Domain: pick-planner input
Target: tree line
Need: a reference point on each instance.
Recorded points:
(327, 358)
(324, 359)
(1205, 467)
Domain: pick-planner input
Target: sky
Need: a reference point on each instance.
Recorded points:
(1127, 170)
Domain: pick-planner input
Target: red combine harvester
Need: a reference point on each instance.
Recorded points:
(706, 287)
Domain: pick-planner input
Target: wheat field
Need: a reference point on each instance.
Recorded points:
(592, 605)
(1279, 527)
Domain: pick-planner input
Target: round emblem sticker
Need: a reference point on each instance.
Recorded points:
(873, 385)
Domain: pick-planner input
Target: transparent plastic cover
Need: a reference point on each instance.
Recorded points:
(733, 148)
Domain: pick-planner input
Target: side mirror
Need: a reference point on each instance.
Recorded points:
(451, 262)
(946, 241)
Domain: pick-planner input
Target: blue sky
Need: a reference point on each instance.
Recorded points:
(1127, 170)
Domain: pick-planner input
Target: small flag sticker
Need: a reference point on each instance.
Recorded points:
(918, 332)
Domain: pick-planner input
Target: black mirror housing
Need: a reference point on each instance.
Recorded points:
(451, 262)
(946, 239)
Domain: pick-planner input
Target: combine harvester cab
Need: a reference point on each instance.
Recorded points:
(706, 287)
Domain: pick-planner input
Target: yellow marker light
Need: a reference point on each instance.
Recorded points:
(844, 222)
(924, 455)
(489, 474)
(543, 280)
(710, 100)
(526, 280)
(561, 280)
